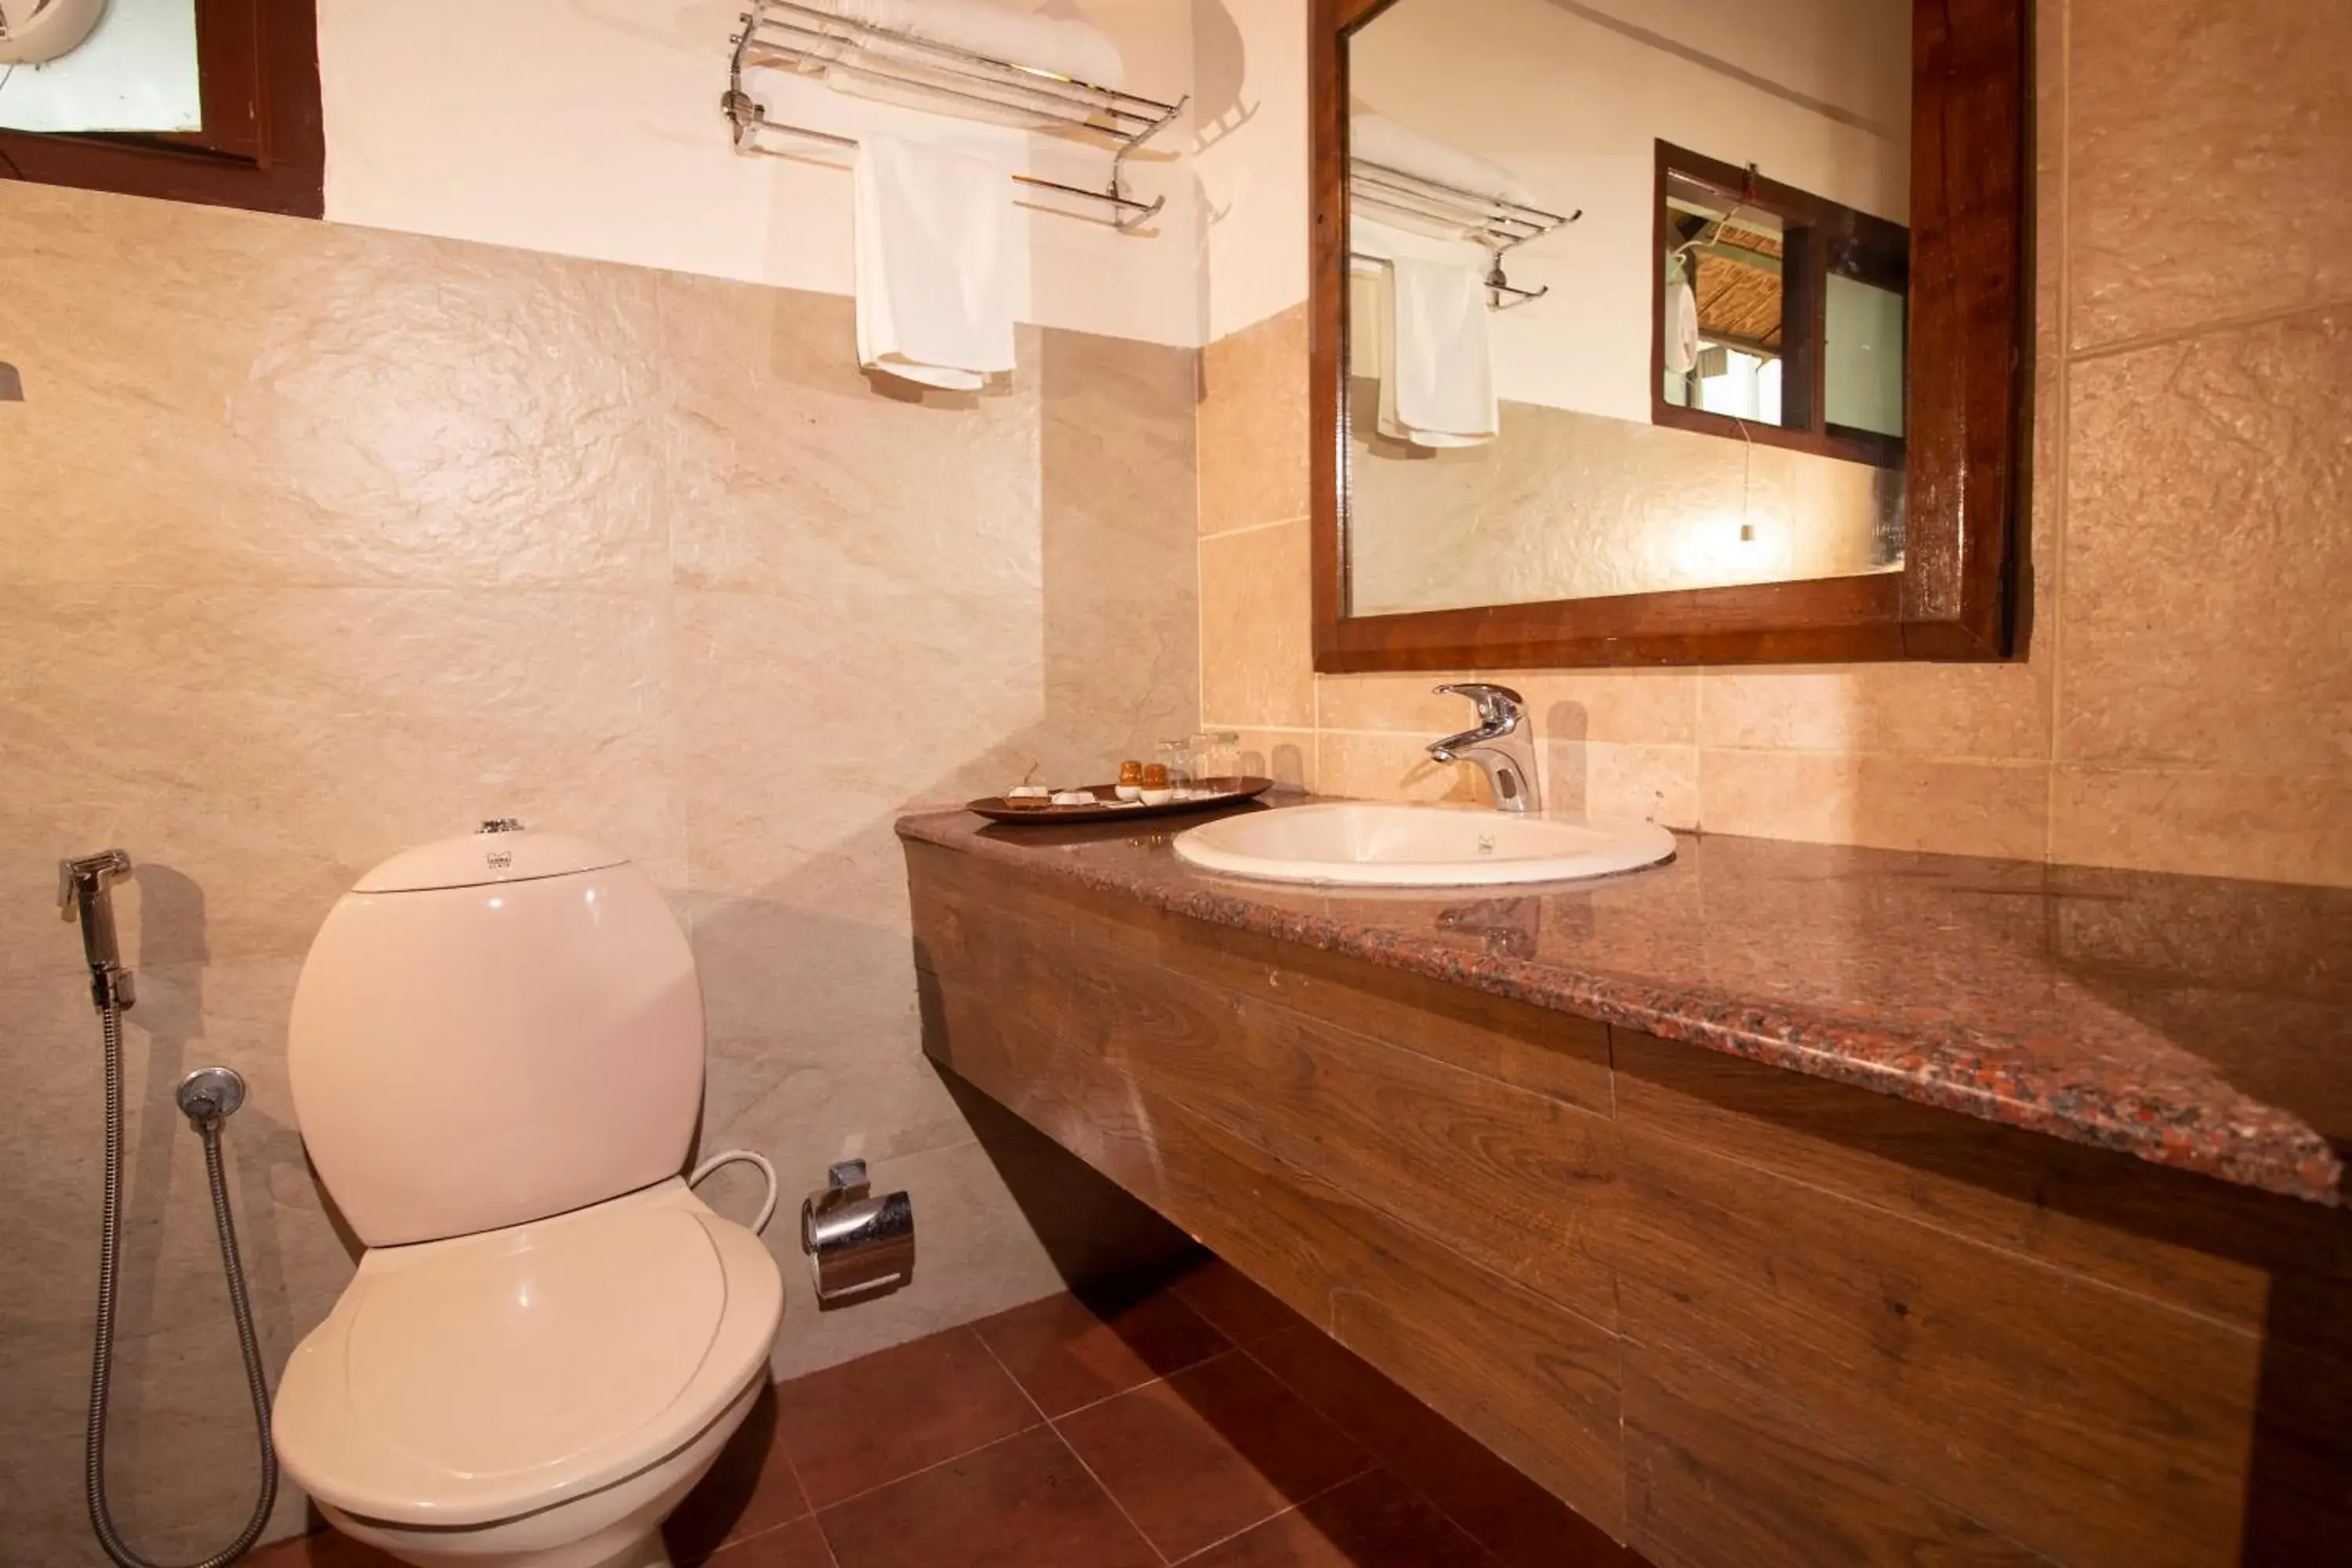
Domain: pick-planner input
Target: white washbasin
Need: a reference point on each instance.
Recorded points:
(1362, 844)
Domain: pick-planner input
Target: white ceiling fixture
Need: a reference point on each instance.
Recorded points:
(35, 31)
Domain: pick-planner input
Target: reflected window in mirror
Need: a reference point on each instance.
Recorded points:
(1779, 314)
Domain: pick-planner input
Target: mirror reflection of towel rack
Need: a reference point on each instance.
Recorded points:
(811, 41)
(1498, 223)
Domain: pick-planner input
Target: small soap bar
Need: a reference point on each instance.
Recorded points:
(1074, 797)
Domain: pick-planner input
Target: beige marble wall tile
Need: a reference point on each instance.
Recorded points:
(1656, 706)
(1254, 425)
(205, 403)
(1257, 651)
(1988, 710)
(1407, 703)
(1024, 603)
(1392, 767)
(2201, 132)
(2204, 822)
(2206, 552)
(256, 749)
(1122, 617)
(1998, 809)
(1605, 778)
(185, 1471)
(796, 473)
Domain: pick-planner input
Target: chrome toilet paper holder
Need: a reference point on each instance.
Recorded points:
(858, 1245)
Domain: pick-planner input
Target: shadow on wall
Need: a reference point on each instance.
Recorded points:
(1220, 70)
(1282, 762)
(1047, 654)
(174, 1337)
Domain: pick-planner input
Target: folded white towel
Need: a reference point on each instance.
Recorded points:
(1377, 139)
(1067, 45)
(1437, 364)
(934, 273)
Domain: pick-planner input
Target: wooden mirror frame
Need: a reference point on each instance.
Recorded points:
(1969, 353)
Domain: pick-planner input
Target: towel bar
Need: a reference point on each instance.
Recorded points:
(811, 41)
(1491, 221)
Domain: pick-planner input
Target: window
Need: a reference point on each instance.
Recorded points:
(1780, 315)
(262, 145)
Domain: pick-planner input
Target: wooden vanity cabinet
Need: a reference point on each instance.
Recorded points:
(1731, 1314)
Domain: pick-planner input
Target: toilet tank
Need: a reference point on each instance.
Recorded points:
(492, 1029)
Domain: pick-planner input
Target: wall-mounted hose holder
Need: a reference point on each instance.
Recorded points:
(859, 1246)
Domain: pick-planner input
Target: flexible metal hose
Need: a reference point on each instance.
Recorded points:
(101, 1373)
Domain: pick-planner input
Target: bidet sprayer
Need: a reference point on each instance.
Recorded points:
(84, 888)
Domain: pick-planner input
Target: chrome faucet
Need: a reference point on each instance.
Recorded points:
(1503, 744)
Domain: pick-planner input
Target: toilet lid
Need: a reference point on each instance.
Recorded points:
(537, 1345)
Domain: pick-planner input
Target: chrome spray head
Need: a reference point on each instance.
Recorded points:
(210, 1096)
(84, 889)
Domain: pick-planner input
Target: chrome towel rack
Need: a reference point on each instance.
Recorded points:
(812, 41)
(1498, 225)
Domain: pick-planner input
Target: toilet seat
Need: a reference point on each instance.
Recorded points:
(467, 1381)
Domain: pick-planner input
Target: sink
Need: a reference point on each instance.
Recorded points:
(1360, 844)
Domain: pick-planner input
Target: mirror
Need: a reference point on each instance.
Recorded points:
(1631, 308)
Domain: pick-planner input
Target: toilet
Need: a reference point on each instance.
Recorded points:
(496, 1057)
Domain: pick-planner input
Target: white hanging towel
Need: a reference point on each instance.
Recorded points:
(1682, 326)
(934, 276)
(1437, 364)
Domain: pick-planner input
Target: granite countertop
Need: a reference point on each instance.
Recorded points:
(2188, 1021)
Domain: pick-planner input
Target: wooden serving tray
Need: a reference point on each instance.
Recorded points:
(1229, 792)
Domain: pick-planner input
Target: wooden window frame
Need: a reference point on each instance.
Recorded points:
(1813, 226)
(1970, 359)
(263, 147)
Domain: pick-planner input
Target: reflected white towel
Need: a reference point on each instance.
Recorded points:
(1682, 328)
(934, 277)
(1377, 139)
(1437, 369)
(1068, 46)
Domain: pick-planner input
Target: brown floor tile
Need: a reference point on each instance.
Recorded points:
(1068, 1353)
(1240, 1309)
(749, 1490)
(1209, 1452)
(1505, 1512)
(863, 1424)
(1373, 1522)
(320, 1549)
(1025, 1502)
(797, 1545)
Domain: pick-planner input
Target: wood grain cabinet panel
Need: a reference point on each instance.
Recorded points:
(2014, 1391)
(2174, 1237)
(1511, 1179)
(1744, 1318)
(1717, 1475)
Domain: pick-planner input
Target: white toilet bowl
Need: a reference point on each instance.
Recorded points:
(497, 1061)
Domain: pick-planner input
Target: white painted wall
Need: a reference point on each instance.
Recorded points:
(1250, 81)
(591, 128)
(1574, 107)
